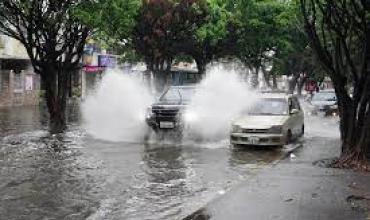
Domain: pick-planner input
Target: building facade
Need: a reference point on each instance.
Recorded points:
(19, 85)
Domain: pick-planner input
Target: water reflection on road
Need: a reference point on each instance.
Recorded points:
(73, 176)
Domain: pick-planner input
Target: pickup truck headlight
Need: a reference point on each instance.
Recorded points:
(190, 116)
(236, 129)
(276, 129)
(149, 112)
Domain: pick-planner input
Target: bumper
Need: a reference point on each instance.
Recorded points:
(327, 111)
(155, 124)
(257, 139)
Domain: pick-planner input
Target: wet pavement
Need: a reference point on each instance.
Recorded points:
(74, 176)
(296, 188)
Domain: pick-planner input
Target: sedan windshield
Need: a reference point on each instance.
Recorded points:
(178, 94)
(324, 96)
(269, 106)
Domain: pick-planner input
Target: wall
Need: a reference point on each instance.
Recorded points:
(12, 47)
(16, 89)
(22, 89)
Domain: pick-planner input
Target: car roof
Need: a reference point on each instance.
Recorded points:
(188, 86)
(327, 91)
(184, 70)
(274, 91)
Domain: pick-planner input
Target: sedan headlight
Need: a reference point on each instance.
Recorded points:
(236, 129)
(278, 129)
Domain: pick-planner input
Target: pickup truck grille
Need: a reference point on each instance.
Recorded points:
(165, 112)
(255, 131)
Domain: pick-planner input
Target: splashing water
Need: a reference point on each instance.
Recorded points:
(116, 110)
(222, 95)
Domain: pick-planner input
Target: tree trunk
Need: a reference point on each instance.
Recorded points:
(159, 80)
(160, 77)
(201, 66)
(300, 85)
(354, 126)
(55, 82)
(274, 82)
(266, 76)
(293, 83)
(355, 133)
(254, 77)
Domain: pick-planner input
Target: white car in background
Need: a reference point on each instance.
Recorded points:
(274, 120)
(325, 102)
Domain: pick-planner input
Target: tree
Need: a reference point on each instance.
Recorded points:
(112, 21)
(165, 29)
(263, 26)
(296, 61)
(209, 40)
(339, 33)
(54, 40)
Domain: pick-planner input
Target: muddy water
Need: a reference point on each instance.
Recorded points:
(74, 176)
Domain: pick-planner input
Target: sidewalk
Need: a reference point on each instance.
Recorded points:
(296, 189)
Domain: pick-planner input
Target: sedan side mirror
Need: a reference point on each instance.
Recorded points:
(294, 111)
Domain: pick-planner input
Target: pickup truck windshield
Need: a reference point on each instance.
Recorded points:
(181, 94)
(267, 106)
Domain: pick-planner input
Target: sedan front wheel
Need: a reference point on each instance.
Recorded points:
(302, 130)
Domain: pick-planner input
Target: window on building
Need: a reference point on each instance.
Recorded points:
(1, 82)
(18, 83)
(28, 83)
(4, 81)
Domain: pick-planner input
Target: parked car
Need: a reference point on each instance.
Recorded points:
(325, 102)
(274, 120)
(166, 114)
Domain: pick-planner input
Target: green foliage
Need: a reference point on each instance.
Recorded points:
(49, 30)
(166, 28)
(215, 29)
(158, 31)
(113, 23)
(296, 57)
(112, 19)
(264, 26)
(128, 54)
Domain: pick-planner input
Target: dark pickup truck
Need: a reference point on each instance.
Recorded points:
(167, 112)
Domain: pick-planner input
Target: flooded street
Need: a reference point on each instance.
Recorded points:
(74, 176)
